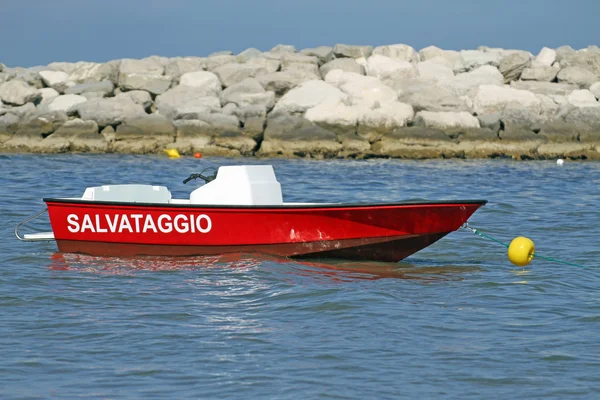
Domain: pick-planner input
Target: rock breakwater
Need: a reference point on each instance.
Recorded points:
(341, 101)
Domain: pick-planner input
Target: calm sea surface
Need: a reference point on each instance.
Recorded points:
(455, 320)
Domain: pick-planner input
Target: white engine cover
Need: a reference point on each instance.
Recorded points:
(241, 185)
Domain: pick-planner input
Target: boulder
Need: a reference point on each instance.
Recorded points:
(587, 122)
(94, 72)
(377, 122)
(323, 53)
(269, 64)
(154, 84)
(249, 92)
(23, 112)
(106, 87)
(230, 74)
(540, 73)
(545, 57)
(216, 61)
(582, 98)
(221, 53)
(178, 66)
(490, 98)
(595, 89)
(67, 67)
(446, 120)
(577, 76)
(76, 127)
(283, 48)
(564, 52)
(9, 124)
(149, 65)
(390, 71)
(236, 141)
(431, 97)
(48, 94)
(587, 59)
(472, 59)
(108, 111)
(140, 97)
(433, 71)
(30, 76)
(288, 59)
(180, 100)
(345, 64)
(398, 52)
(547, 88)
(248, 54)
(206, 83)
(366, 90)
(65, 102)
(283, 81)
(351, 51)
(56, 80)
(307, 95)
(288, 135)
(452, 57)
(468, 82)
(512, 65)
(143, 134)
(491, 121)
(78, 135)
(16, 92)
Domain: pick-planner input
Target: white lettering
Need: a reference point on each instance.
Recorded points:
(73, 224)
(112, 225)
(87, 224)
(137, 218)
(125, 224)
(192, 225)
(199, 223)
(98, 228)
(168, 226)
(149, 224)
(184, 227)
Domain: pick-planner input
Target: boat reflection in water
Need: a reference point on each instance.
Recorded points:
(331, 269)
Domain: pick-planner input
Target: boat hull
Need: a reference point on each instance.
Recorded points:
(382, 232)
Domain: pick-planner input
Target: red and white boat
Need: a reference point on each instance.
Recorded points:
(240, 209)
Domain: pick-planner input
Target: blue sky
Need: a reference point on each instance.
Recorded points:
(37, 32)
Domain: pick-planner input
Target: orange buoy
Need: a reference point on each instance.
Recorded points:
(197, 155)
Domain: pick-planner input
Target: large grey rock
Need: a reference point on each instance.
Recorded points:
(307, 95)
(178, 66)
(582, 98)
(345, 64)
(216, 61)
(270, 64)
(323, 53)
(152, 83)
(182, 101)
(140, 97)
(398, 52)
(512, 65)
(433, 71)
(366, 90)
(468, 82)
(105, 87)
(288, 135)
(283, 81)
(23, 112)
(108, 111)
(230, 74)
(249, 93)
(564, 52)
(31, 76)
(547, 88)
(149, 65)
(540, 73)
(204, 82)
(283, 48)
(17, 93)
(415, 142)
(48, 94)
(76, 127)
(446, 120)
(430, 97)
(295, 58)
(352, 51)
(595, 89)
(492, 98)
(577, 76)
(248, 54)
(545, 57)
(143, 134)
(390, 71)
(475, 58)
(67, 67)
(586, 120)
(8, 126)
(78, 135)
(452, 57)
(94, 72)
(57, 80)
(65, 102)
(588, 59)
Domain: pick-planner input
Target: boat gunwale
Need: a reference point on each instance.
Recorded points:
(266, 206)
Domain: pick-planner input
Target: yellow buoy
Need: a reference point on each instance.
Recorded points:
(172, 153)
(520, 251)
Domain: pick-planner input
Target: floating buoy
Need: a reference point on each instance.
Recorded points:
(560, 161)
(172, 153)
(197, 155)
(521, 251)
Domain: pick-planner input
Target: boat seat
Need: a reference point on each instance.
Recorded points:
(128, 193)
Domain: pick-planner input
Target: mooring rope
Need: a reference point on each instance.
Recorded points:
(535, 254)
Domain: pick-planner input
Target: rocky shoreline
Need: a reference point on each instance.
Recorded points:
(325, 102)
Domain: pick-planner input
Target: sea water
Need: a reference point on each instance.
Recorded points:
(455, 320)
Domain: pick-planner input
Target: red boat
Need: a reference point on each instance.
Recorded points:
(240, 209)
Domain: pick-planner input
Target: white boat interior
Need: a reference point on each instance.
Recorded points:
(245, 185)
